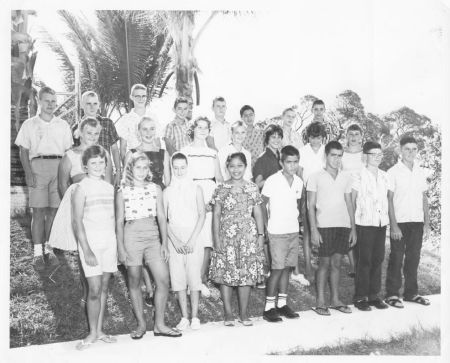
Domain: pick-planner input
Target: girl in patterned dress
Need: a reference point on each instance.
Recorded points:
(237, 259)
(139, 204)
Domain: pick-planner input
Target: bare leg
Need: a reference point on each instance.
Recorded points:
(205, 265)
(93, 306)
(182, 300)
(351, 260)
(334, 279)
(134, 281)
(38, 226)
(273, 282)
(284, 280)
(321, 279)
(49, 217)
(267, 257)
(103, 297)
(195, 296)
(83, 281)
(225, 292)
(307, 252)
(243, 297)
(147, 281)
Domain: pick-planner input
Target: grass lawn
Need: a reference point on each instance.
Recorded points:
(45, 305)
(417, 342)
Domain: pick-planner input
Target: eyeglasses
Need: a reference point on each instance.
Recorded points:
(140, 97)
(375, 155)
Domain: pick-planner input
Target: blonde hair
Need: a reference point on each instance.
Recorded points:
(128, 177)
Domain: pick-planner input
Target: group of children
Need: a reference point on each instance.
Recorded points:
(225, 203)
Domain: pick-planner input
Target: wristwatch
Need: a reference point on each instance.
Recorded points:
(261, 234)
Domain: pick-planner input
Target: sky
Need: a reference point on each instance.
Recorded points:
(392, 53)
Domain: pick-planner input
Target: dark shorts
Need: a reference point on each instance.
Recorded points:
(334, 240)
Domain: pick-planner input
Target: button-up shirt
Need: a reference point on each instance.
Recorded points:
(221, 132)
(267, 164)
(177, 133)
(254, 142)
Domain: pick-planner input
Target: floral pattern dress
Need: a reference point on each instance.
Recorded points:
(240, 264)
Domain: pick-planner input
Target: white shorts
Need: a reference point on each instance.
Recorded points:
(106, 259)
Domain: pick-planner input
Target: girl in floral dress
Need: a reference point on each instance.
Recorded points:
(237, 259)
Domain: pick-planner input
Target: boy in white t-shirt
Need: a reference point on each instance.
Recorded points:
(282, 194)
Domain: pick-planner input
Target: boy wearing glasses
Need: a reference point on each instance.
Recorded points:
(370, 202)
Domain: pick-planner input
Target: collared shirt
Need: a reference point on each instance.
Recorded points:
(372, 202)
(330, 203)
(408, 187)
(177, 133)
(292, 138)
(267, 164)
(282, 206)
(254, 142)
(223, 155)
(127, 128)
(108, 135)
(352, 162)
(221, 132)
(44, 138)
(311, 161)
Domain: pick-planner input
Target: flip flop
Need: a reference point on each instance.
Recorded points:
(418, 299)
(321, 310)
(107, 339)
(246, 322)
(394, 301)
(342, 308)
(82, 345)
(170, 334)
(134, 334)
(228, 322)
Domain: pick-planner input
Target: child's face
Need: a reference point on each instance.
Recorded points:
(409, 152)
(95, 167)
(238, 136)
(318, 111)
(275, 141)
(236, 168)
(139, 97)
(290, 164)
(182, 110)
(288, 118)
(140, 170)
(374, 157)
(354, 138)
(47, 103)
(89, 135)
(219, 108)
(248, 116)
(315, 141)
(179, 168)
(334, 158)
(147, 130)
(201, 131)
(91, 106)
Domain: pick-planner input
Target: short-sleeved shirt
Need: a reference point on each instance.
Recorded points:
(254, 142)
(408, 187)
(311, 161)
(223, 155)
(267, 164)
(127, 128)
(108, 135)
(352, 162)
(330, 203)
(283, 206)
(44, 138)
(292, 138)
(372, 201)
(221, 132)
(177, 133)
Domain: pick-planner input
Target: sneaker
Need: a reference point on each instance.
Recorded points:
(183, 324)
(300, 278)
(205, 291)
(362, 305)
(378, 304)
(148, 300)
(287, 312)
(272, 316)
(195, 323)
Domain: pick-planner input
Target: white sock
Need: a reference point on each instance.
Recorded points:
(37, 250)
(281, 300)
(270, 303)
(48, 248)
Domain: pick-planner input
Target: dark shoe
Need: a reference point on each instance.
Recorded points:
(394, 301)
(378, 304)
(351, 274)
(287, 312)
(362, 305)
(272, 316)
(148, 300)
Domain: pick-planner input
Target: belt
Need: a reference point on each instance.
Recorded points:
(203, 179)
(48, 157)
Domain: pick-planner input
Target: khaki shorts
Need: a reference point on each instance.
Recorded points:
(106, 259)
(284, 250)
(45, 193)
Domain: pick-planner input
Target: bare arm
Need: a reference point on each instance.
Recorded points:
(217, 210)
(26, 164)
(162, 222)
(123, 149)
(316, 238)
(201, 214)
(109, 170)
(120, 217)
(265, 217)
(167, 175)
(259, 181)
(169, 146)
(116, 158)
(177, 244)
(351, 213)
(259, 220)
(64, 175)
(217, 172)
(396, 233)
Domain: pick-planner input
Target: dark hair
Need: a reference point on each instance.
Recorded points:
(271, 130)
(354, 127)
(92, 152)
(237, 124)
(289, 150)
(89, 121)
(179, 156)
(317, 102)
(246, 108)
(195, 124)
(369, 145)
(287, 110)
(46, 89)
(407, 140)
(316, 129)
(180, 100)
(336, 145)
(237, 155)
(218, 99)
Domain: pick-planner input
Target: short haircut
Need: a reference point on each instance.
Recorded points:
(407, 139)
(237, 124)
(179, 156)
(289, 150)
(195, 124)
(87, 94)
(316, 129)
(128, 177)
(246, 108)
(354, 127)
(336, 145)
(318, 102)
(271, 130)
(237, 155)
(369, 145)
(89, 121)
(44, 90)
(92, 152)
(218, 99)
(287, 110)
(180, 100)
(137, 86)
(143, 119)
